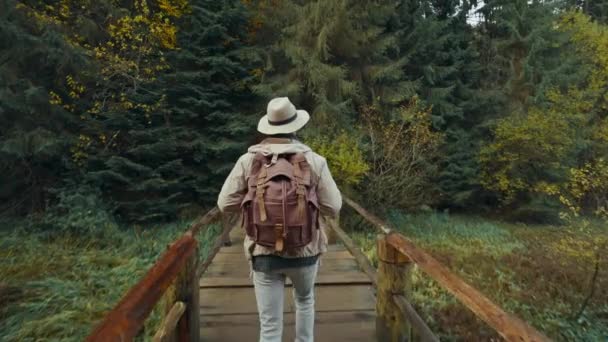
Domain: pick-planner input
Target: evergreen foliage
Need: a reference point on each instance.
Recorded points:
(332, 66)
(33, 135)
(443, 69)
(177, 155)
(596, 9)
(524, 54)
(120, 107)
(523, 57)
(151, 101)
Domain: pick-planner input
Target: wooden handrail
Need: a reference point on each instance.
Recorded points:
(383, 227)
(168, 325)
(217, 245)
(506, 325)
(127, 318)
(408, 311)
(426, 335)
(209, 217)
(361, 259)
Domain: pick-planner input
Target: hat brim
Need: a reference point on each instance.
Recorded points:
(268, 129)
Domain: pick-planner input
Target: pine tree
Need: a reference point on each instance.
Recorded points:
(596, 9)
(523, 58)
(523, 54)
(209, 95)
(458, 177)
(422, 41)
(179, 154)
(441, 66)
(333, 66)
(33, 135)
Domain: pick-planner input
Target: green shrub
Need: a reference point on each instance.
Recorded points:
(79, 210)
(344, 157)
(403, 153)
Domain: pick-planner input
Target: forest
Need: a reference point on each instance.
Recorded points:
(478, 128)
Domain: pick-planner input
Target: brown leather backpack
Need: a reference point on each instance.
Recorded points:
(280, 209)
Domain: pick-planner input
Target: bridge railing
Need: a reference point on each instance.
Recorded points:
(174, 277)
(396, 318)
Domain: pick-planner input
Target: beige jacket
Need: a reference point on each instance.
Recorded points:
(330, 200)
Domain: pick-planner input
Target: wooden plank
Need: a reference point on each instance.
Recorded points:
(394, 277)
(217, 245)
(330, 234)
(240, 257)
(343, 254)
(217, 269)
(230, 257)
(355, 326)
(230, 301)
(167, 326)
(324, 317)
(351, 332)
(237, 232)
(235, 248)
(239, 249)
(420, 327)
(222, 301)
(237, 235)
(322, 279)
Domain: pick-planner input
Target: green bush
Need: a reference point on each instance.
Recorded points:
(403, 152)
(79, 210)
(344, 156)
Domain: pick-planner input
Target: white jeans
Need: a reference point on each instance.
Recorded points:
(269, 297)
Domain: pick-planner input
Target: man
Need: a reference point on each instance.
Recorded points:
(273, 259)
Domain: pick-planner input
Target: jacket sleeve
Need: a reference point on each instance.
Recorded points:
(234, 189)
(330, 199)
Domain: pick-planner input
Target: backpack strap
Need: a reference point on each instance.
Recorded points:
(261, 186)
(300, 183)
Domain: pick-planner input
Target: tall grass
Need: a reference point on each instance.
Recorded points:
(56, 285)
(516, 266)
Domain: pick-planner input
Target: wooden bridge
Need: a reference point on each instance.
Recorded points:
(213, 300)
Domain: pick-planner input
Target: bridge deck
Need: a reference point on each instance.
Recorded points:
(344, 304)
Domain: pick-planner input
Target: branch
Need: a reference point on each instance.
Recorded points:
(591, 285)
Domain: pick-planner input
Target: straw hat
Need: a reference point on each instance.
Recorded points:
(282, 117)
